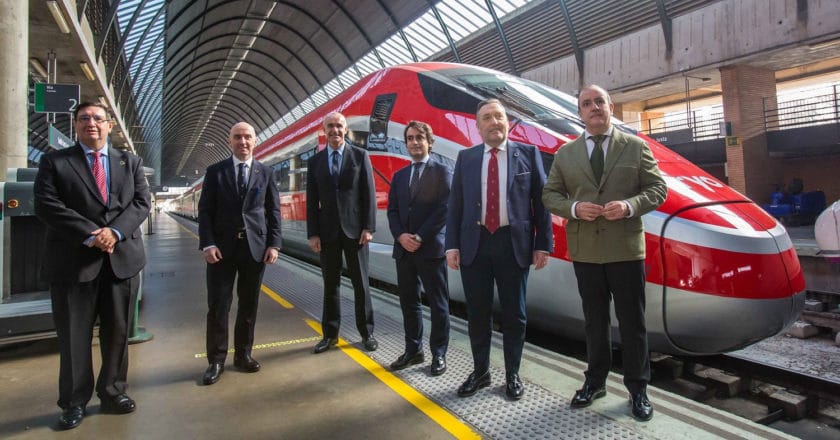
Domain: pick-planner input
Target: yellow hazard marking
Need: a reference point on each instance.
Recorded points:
(438, 414)
(273, 295)
(271, 345)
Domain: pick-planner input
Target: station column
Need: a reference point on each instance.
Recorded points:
(747, 90)
(14, 83)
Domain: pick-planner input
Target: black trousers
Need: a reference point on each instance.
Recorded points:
(248, 275)
(356, 257)
(75, 308)
(411, 271)
(495, 266)
(623, 282)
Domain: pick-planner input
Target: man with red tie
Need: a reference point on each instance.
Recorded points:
(496, 227)
(92, 199)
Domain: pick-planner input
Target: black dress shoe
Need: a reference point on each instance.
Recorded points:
(438, 365)
(585, 396)
(324, 345)
(246, 364)
(642, 409)
(370, 343)
(474, 383)
(121, 404)
(514, 388)
(405, 360)
(213, 373)
(71, 417)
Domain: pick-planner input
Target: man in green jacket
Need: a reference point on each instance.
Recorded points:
(603, 182)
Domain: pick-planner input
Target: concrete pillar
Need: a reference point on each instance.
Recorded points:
(14, 82)
(747, 91)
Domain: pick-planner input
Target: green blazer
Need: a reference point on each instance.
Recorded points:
(630, 174)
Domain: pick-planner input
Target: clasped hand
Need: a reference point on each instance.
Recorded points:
(589, 211)
(104, 239)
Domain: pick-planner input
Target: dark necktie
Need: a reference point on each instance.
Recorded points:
(334, 167)
(491, 215)
(596, 159)
(99, 176)
(414, 186)
(241, 183)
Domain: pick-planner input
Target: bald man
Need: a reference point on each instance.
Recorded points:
(239, 233)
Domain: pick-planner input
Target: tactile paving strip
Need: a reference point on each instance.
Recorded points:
(540, 414)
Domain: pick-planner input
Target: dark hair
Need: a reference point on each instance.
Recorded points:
(87, 104)
(422, 127)
(485, 102)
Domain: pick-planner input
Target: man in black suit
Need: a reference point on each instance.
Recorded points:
(416, 215)
(92, 199)
(341, 218)
(496, 227)
(239, 233)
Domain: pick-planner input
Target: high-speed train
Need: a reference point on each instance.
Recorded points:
(721, 273)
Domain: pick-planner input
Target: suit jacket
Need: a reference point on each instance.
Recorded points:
(68, 202)
(530, 222)
(351, 207)
(630, 173)
(221, 213)
(425, 214)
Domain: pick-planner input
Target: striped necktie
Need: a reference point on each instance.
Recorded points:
(99, 176)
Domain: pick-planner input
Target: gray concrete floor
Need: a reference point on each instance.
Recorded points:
(296, 395)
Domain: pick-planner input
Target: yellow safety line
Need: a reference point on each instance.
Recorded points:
(271, 345)
(273, 295)
(434, 411)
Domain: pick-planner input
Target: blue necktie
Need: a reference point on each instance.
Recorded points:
(414, 186)
(334, 167)
(241, 183)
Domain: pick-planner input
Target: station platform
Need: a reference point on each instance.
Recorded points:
(344, 393)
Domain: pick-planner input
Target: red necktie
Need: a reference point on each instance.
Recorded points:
(99, 176)
(491, 215)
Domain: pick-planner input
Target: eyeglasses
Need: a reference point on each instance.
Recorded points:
(95, 118)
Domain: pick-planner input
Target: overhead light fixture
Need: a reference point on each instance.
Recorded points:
(87, 70)
(38, 67)
(58, 16)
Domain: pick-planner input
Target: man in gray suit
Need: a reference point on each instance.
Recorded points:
(603, 182)
(341, 219)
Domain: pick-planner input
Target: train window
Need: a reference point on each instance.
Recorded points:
(282, 175)
(301, 160)
(442, 159)
(548, 160)
(379, 117)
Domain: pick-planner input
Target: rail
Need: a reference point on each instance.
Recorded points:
(821, 107)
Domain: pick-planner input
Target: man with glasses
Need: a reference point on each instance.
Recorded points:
(93, 200)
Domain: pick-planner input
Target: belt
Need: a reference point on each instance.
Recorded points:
(240, 234)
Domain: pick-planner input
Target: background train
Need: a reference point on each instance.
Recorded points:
(721, 273)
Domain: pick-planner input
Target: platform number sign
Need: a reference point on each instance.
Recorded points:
(56, 98)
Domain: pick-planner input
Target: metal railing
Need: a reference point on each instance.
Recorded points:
(819, 109)
(823, 107)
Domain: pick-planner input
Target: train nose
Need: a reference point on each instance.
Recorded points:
(730, 277)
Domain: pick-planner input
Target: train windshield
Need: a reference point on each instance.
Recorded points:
(542, 105)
